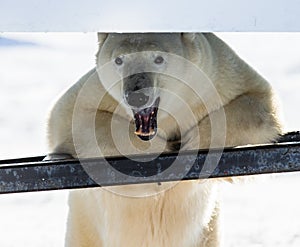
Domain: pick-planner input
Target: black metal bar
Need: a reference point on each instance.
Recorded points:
(20, 175)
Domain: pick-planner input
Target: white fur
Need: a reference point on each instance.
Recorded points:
(171, 214)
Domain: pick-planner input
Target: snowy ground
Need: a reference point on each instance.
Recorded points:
(36, 68)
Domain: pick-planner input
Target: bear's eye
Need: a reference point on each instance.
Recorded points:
(159, 60)
(118, 61)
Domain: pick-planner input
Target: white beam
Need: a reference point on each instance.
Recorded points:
(149, 15)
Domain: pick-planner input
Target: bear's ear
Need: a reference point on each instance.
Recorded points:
(101, 38)
(189, 36)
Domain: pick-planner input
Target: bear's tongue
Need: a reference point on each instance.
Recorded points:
(146, 121)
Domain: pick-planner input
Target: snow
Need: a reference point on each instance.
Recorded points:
(35, 68)
(31, 78)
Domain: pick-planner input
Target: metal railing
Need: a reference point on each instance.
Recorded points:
(34, 174)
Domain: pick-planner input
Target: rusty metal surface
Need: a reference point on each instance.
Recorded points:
(22, 175)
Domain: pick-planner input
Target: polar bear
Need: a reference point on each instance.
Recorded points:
(153, 93)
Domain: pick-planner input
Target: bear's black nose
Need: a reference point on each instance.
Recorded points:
(137, 99)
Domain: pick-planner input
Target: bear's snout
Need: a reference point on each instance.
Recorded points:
(137, 89)
(138, 81)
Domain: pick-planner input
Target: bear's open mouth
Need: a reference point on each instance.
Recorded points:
(146, 121)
